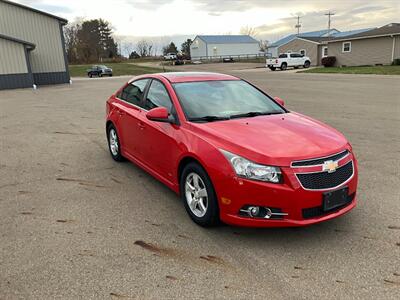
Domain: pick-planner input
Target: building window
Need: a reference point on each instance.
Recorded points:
(324, 51)
(303, 52)
(346, 47)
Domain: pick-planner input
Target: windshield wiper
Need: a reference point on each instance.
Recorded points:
(255, 114)
(208, 119)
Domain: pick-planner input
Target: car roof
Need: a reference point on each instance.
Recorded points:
(179, 77)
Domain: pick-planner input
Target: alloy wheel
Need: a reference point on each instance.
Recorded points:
(114, 147)
(196, 195)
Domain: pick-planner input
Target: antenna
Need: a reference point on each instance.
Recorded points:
(329, 14)
(298, 25)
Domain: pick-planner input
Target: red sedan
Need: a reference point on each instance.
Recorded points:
(233, 153)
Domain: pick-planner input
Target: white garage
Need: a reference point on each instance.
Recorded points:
(216, 46)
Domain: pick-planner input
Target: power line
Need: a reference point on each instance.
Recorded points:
(329, 14)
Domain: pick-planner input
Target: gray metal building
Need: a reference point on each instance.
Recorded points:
(32, 47)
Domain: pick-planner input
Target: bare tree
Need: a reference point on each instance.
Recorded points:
(71, 41)
(155, 49)
(150, 48)
(142, 47)
(248, 30)
(263, 45)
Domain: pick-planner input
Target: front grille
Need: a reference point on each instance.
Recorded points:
(319, 161)
(325, 180)
(318, 211)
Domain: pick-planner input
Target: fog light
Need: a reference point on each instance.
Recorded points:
(262, 212)
(254, 211)
(268, 213)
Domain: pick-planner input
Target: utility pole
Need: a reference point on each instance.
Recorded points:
(329, 14)
(298, 25)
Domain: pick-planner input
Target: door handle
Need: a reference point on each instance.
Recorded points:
(141, 125)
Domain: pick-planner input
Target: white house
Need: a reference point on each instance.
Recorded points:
(208, 46)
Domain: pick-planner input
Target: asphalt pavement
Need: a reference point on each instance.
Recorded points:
(74, 224)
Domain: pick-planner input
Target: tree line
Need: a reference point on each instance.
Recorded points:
(146, 48)
(90, 41)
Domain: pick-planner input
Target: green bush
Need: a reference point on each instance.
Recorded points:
(328, 61)
(396, 62)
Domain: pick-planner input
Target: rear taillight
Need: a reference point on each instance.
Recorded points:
(276, 61)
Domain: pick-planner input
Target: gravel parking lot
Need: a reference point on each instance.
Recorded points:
(76, 224)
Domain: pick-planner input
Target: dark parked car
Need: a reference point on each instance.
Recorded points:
(99, 71)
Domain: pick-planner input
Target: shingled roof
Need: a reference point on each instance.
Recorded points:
(387, 30)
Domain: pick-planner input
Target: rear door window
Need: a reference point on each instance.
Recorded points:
(157, 97)
(133, 92)
(283, 56)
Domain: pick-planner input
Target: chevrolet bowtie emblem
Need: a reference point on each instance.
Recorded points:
(330, 166)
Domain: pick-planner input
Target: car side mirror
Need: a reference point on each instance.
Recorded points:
(160, 114)
(280, 101)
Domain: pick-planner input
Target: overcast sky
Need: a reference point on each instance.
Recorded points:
(272, 18)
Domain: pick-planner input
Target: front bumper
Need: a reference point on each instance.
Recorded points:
(290, 197)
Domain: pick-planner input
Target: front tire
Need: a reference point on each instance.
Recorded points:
(306, 64)
(114, 144)
(198, 195)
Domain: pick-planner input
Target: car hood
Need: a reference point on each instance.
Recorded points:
(273, 139)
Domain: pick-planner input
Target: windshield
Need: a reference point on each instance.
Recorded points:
(214, 100)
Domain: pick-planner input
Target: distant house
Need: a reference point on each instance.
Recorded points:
(379, 46)
(208, 46)
(311, 44)
(370, 46)
(274, 48)
(32, 48)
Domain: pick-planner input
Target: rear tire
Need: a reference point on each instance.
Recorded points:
(283, 66)
(306, 64)
(198, 195)
(114, 144)
(272, 68)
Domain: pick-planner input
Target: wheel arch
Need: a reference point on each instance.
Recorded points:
(108, 124)
(184, 161)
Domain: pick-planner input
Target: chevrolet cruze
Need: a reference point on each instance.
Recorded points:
(231, 152)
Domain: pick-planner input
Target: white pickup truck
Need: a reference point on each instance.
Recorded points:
(286, 60)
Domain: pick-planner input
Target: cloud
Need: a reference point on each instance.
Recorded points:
(54, 9)
(273, 19)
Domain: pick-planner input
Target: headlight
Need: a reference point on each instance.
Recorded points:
(248, 169)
